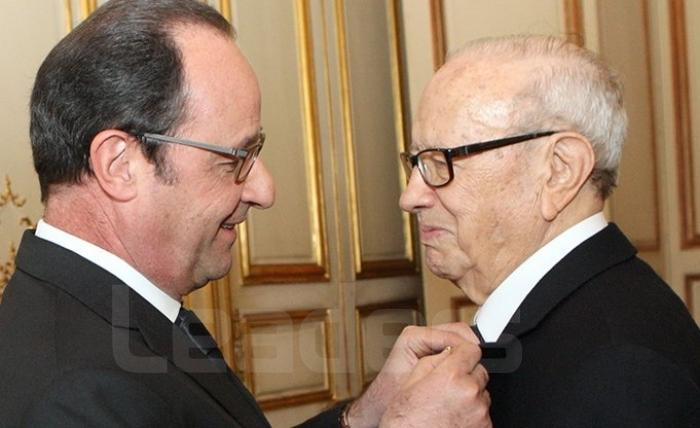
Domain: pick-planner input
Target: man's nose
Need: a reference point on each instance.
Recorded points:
(259, 187)
(417, 194)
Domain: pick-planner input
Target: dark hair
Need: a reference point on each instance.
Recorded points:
(120, 69)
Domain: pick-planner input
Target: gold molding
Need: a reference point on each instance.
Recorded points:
(438, 36)
(690, 236)
(381, 268)
(341, 45)
(27, 222)
(573, 22)
(318, 270)
(225, 10)
(8, 196)
(654, 244)
(290, 398)
(364, 311)
(68, 15)
(7, 268)
(87, 7)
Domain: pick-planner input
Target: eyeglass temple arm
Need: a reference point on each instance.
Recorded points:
(488, 145)
(213, 148)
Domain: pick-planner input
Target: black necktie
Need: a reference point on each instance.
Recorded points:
(197, 332)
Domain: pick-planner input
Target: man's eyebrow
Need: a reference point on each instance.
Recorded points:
(252, 139)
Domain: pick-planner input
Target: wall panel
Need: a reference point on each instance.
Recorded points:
(287, 244)
(468, 20)
(685, 62)
(378, 326)
(634, 206)
(374, 96)
(287, 357)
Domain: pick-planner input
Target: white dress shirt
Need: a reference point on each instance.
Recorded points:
(493, 316)
(114, 265)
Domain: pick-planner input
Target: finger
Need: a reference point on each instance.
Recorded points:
(460, 328)
(423, 341)
(463, 360)
(486, 397)
(481, 376)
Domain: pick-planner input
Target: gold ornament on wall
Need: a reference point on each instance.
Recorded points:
(7, 269)
(10, 197)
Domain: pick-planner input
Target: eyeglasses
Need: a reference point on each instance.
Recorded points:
(435, 165)
(245, 156)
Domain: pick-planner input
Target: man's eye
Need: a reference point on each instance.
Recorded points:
(231, 167)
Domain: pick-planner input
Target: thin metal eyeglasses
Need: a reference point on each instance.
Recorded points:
(435, 165)
(246, 156)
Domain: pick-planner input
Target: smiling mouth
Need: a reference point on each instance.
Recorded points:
(229, 224)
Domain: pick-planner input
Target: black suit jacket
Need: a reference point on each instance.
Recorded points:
(79, 348)
(601, 341)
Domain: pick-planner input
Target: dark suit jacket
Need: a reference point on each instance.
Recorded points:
(79, 348)
(601, 341)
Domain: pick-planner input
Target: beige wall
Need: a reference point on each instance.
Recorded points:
(29, 29)
(333, 266)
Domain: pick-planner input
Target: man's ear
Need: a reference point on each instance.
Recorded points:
(570, 163)
(112, 159)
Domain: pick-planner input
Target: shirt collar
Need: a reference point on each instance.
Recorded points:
(114, 265)
(494, 315)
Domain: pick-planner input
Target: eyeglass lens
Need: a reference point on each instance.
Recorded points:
(249, 161)
(434, 167)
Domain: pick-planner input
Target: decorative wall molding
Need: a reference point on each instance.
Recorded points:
(292, 395)
(655, 243)
(573, 22)
(318, 270)
(437, 29)
(364, 312)
(690, 236)
(646, 124)
(85, 7)
(9, 197)
(7, 268)
(408, 264)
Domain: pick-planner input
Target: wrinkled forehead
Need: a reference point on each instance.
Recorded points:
(468, 101)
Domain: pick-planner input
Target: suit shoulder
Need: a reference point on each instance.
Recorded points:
(636, 386)
(100, 397)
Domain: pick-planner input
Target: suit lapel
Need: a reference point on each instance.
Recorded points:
(117, 304)
(602, 251)
(168, 340)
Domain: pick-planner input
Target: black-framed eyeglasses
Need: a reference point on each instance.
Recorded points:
(245, 156)
(435, 165)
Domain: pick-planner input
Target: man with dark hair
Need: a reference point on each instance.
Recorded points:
(145, 129)
(516, 146)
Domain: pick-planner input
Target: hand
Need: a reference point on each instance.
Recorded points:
(444, 390)
(413, 344)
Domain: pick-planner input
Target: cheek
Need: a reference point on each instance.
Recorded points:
(479, 215)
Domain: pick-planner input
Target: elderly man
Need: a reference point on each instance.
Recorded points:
(516, 146)
(145, 128)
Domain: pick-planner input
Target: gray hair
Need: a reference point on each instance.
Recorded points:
(570, 88)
